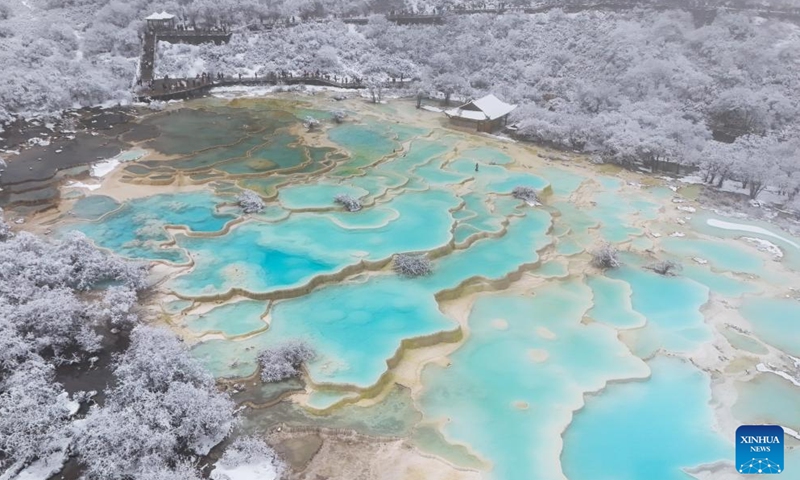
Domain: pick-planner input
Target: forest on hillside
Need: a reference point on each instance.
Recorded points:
(639, 86)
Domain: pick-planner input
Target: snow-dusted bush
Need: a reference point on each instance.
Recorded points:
(284, 361)
(339, 116)
(250, 201)
(666, 267)
(526, 194)
(412, 265)
(606, 257)
(348, 201)
(248, 457)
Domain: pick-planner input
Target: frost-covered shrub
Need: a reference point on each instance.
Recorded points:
(339, 116)
(526, 194)
(412, 265)
(666, 267)
(284, 361)
(248, 454)
(348, 201)
(250, 201)
(606, 257)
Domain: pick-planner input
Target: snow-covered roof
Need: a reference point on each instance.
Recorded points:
(161, 16)
(468, 114)
(488, 108)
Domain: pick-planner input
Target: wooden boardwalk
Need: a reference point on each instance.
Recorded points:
(183, 88)
(193, 37)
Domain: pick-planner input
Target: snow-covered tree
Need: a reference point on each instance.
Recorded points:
(666, 267)
(311, 123)
(412, 265)
(117, 307)
(284, 361)
(606, 257)
(163, 405)
(250, 201)
(33, 414)
(526, 194)
(348, 201)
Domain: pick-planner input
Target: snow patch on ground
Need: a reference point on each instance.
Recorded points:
(500, 137)
(769, 196)
(433, 109)
(42, 468)
(42, 142)
(767, 369)
(748, 228)
(257, 471)
(765, 246)
(87, 186)
(71, 405)
(246, 91)
(104, 167)
(691, 179)
(792, 432)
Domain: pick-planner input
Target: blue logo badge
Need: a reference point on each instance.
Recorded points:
(759, 449)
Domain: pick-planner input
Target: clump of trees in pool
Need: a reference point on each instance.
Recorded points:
(311, 123)
(606, 257)
(250, 201)
(348, 201)
(666, 267)
(412, 266)
(339, 116)
(284, 361)
(527, 194)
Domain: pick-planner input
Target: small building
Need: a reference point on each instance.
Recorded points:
(486, 114)
(161, 21)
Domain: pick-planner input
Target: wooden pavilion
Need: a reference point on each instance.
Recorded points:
(485, 114)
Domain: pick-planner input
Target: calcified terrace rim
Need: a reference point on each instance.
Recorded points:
(471, 285)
